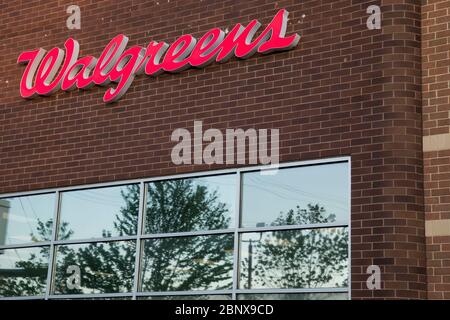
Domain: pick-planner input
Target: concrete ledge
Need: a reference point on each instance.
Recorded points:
(438, 142)
(436, 228)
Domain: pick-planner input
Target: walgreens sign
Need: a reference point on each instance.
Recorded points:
(59, 69)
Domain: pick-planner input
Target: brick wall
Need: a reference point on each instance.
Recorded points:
(436, 129)
(345, 90)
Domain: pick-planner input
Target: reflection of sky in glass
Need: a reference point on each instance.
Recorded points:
(23, 215)
(90, 212)
(9, 257)
(264, 197)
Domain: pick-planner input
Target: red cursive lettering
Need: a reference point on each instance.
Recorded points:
(45, 72)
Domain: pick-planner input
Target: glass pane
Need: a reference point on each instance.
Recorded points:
(23, 272)
(188, 263)
(95, 268)
(26, 219)
(296, 196)
(206, 203)
(201, 297)
(294, 296)
(315, 258)
(99, 213)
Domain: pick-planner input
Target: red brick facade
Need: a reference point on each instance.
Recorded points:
(436, 123)
(344, 91)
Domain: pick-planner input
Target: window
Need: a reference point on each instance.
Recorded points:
(234, 234)
(195, 204)
(95, 267)
(23, 271)
(97, 213)
(315, 258)
(26, 219)
(188, 263)
(289, 197)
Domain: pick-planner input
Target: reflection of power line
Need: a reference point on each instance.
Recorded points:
(26, 215)
(256, 219)
(18, 255)
(250, 219)
(286, 195)
(103, 194)
(271, 192)
(290, 187)
(207, 181)
(93, 197)
(32, 209)
(89, 198)
(250, 260)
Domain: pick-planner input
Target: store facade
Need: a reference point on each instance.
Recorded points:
(93, 204)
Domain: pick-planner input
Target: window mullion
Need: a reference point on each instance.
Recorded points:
(140, 226)
(52, 248)
(237, 220)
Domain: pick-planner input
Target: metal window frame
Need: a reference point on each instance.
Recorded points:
(236, 230)
(52, 258)
(140, 228)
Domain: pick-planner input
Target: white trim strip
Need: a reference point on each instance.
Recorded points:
(437, 142)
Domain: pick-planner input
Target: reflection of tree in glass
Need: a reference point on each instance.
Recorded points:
(105, 267)
(186, 263)
(28, 277)
(172, 206)
(282, 259)
(298, 258)
(181, 205)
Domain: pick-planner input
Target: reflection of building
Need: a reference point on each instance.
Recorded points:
(4, 212)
